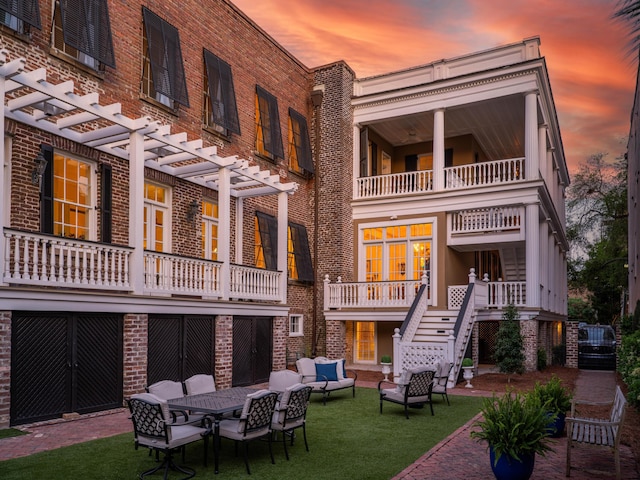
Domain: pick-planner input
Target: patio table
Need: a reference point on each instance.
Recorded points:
(214, 404)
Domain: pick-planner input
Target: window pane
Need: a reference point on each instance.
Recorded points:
(71, 197)
(365, 341)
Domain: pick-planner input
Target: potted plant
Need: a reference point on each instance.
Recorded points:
(556, 400)
(515, 429)
(385, 361)
(467, 367)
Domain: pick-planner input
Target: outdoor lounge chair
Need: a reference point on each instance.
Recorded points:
(441, 379)
(280, 380)
(413, 390)
(254, 422)
(291, 414)
(153, 428)
(200, 383)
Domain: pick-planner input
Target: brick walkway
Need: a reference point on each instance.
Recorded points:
(456, 457)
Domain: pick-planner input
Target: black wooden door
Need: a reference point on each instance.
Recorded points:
(252, 347)
(180, 346)
(63, 363)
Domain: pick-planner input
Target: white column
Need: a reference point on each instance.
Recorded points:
(136, 212)
(283, 215)
(239, 217)
(5, 199)
(438, 150)
(542, 151)
(224, 230)
(532, 252)
(531, 135)
(356, 160)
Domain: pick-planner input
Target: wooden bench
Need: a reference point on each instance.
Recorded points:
(597, 431)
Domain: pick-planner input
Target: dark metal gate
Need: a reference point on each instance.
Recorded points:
(62, 363)
(487, 333)
(180, 346)
(252, 345)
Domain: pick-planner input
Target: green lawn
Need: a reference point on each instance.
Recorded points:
(348, 438)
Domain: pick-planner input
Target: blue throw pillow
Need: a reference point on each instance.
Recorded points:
(326, 370)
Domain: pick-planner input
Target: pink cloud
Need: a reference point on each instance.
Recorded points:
(591, 78)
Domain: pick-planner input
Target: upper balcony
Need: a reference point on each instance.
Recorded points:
(500, 172)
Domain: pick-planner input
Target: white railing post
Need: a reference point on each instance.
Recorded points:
(397, 355)
(326, 291)
(472, 275)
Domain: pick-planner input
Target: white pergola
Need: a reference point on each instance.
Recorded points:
(30, 99)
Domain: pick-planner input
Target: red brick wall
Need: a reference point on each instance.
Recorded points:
(572, 344)
(224, 351)
(529, 332)
(135, 354)
(5, 368)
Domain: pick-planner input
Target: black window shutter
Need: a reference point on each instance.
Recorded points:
(268, 226)
(86, 27)
(46, 196)
(221, 80)
(301, 252)
(167, 69)
(303, 144)
(106, 203)
(26, 10)
(270, 123)
(364, 152)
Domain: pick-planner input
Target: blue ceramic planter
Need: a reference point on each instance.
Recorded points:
(508, 468)
(556, 428)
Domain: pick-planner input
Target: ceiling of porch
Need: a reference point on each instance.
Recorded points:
(497, 125)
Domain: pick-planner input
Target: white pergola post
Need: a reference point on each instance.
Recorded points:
(4, 166)
(136, 212)
(438, 150)
(283, 224)
(224, 230)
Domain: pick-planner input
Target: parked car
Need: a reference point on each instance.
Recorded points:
(597, 347)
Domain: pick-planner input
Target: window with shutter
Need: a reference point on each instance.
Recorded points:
(221, 112)
(16, 13)
(299, 259)
(106, 203)
(82, 30)
(163, 69)
(268, 133)
(299, 144)
(266, 241)
(68, 196)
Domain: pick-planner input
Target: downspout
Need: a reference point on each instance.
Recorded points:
(316, 98)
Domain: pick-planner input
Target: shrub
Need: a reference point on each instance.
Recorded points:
(509, 351)
(629, 366)
(513, 424)
(542, 359)
(553, 396)
(467, 362)
(385, 359)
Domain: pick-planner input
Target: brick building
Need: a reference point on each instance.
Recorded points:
(181, 195)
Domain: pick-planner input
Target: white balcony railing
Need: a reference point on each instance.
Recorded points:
(47, 260)
(370, 294)
(461, 176)
(405, 183)
(33, 259)
(254, 283)
(485, 220)
(485, 173)
(502, 293)
(172, 274)
(499, 294)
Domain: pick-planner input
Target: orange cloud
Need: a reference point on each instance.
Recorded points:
(591, 78)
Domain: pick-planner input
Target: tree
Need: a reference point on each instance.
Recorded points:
(597, 230)
(509, 352)
(580, 309)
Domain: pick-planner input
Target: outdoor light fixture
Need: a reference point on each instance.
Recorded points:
(316, 97)
(38, 171)
(192, 210)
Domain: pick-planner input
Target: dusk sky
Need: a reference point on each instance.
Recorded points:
(592, 77)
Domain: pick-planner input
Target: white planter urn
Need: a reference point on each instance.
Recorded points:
(386, 370)
(467, 374)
